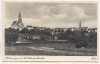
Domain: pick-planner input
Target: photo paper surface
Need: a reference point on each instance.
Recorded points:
(50, 31)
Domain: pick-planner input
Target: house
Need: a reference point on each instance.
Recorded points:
(29, 27)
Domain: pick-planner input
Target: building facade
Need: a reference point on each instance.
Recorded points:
(18, 24)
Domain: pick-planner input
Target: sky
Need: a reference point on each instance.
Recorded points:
(54, 15)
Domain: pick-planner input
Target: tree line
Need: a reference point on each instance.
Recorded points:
(81, 38)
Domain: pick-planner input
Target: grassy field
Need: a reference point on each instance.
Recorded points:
(48, 48)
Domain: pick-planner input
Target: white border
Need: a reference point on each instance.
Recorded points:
(46, 62)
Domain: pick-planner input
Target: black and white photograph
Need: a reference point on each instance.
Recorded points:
(50, 29)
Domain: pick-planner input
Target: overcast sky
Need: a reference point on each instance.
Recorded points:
(52, 14)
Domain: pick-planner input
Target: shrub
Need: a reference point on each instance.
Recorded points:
(11, 36)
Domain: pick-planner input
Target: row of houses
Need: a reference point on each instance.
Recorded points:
(20, 25)
(29, 27)
(39, 38)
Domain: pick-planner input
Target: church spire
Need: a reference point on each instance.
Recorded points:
(18, 24)
(19, 17)
(80, 25)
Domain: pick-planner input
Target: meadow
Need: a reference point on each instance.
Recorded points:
(49, 49)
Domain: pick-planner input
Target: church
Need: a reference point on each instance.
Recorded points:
(18, 24)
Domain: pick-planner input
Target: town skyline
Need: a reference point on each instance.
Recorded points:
(53, 15)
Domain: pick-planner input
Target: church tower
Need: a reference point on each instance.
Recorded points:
(80, 25)
(18, 24)
(19, 17)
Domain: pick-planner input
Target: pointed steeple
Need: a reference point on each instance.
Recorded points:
(19, 17)
(80, 25)
(18, 24)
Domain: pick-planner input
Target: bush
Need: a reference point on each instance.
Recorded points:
(11, 36)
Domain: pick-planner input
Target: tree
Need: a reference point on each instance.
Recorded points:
(11, 36)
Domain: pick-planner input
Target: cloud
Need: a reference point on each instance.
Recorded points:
(92, 23)
(49, 14)
(62, 13)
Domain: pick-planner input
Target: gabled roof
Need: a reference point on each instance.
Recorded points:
(17, 24)
(14, 23)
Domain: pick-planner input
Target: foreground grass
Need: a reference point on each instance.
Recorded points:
(66, 49)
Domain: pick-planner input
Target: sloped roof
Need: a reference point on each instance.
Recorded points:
(14, 23)
(17, 24)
